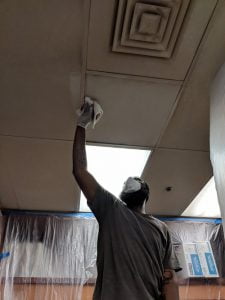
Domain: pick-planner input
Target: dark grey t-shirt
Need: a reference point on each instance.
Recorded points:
(133, 250)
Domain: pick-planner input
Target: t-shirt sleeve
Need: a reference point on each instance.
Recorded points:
(102, 203)
(170, 259)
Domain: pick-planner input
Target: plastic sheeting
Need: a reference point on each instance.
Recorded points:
(52, 251)
(199, 231)
(53, 257)
(217, 136)
(196, 231)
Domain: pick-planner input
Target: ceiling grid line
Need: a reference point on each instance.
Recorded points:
(135, 77)
(84, 50)
(201, 43)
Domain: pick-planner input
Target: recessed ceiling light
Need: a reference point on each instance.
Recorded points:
(111, 166)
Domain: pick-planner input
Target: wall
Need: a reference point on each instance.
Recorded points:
(186, 292)
(56, 292)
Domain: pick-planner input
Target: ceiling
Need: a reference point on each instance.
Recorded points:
(149, 63)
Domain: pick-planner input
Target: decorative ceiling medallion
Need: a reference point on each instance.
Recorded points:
(149, 27)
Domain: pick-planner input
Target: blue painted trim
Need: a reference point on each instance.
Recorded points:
(205, 220)
(91, 215)
(46, 213)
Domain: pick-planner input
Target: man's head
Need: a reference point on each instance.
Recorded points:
(135, 192)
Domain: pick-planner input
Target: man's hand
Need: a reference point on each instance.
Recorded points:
(86, 113)
(170, 286)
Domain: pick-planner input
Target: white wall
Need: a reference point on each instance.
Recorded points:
(217, 136)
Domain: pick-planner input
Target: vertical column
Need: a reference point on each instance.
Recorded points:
(217, 136)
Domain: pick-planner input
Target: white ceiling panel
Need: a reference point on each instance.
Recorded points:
(186, 172)
(37, 175)
(41, 32)
(36, 102)
(111, 33)
(135, 111)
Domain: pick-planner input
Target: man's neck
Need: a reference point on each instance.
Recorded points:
(140, 209)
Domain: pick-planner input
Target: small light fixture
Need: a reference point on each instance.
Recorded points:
(169, 188)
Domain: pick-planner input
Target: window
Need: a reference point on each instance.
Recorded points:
(205, 203)
(111, 166)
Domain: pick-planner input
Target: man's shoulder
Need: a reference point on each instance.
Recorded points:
(103, 202)
(162, 225)
(106, 195)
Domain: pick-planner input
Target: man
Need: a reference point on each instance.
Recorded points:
(134, 249)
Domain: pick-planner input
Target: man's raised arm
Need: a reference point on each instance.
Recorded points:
(85, 180)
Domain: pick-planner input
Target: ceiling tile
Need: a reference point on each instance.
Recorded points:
(40, 32)
(37, 175)
(39, 102)
(185, 172)
(135, 111)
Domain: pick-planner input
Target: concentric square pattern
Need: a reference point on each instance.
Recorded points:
(149, 27)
